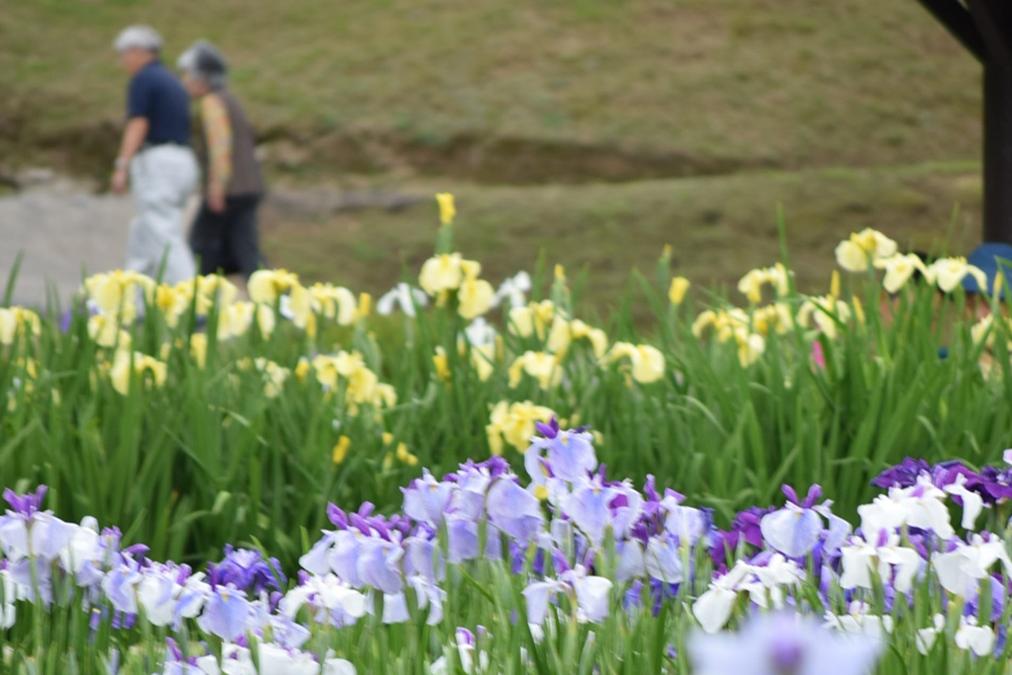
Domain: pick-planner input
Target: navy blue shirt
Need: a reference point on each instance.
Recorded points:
(155, 94)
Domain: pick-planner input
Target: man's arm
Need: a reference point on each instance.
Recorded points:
(133, 137)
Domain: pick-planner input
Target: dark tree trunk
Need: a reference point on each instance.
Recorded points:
(984, 27)
(997, 153)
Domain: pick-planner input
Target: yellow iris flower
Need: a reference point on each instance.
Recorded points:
(340, 451)
(750, 348)
(825, 313)
(441, 273)
(334, 302)
(441, 364)
(483, 360)
(534, 319)
(542, 366)
(949, 272)
(404, 455)
(447, 208)
(266, 286)
(751, 285)
(105, 330)
(679, 287)
(647, 361)
(513, 423)
(862, 249)
(475, 297)
(15, 320)
(198, 349)
(117, 292)
(899, 269)
(126, 364)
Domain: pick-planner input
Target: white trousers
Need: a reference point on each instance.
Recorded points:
(162, 179)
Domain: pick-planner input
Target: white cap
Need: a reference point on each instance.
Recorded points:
(138, 37)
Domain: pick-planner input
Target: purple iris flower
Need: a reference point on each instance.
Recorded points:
(598, 505)
(589, 507)
(652, 503)
(27, 504)
(426, 499)
(744, 528)
(903, 474)
(26, 531)
(226, 614)
(795, 529)
(783, 644)
(120, 586)
(946, 473)
(633, 597)
(471, 481)
(568, 454)
(631, 563)
(514, 510)
(66, 319)
(34, 575)
(247, 570)
(379, 564)
(663, 559)
(422, 557)
(994, 484)
(660, 592)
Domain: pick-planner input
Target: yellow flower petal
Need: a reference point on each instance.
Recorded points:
(679, 287)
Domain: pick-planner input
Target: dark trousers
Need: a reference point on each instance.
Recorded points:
(227, 242)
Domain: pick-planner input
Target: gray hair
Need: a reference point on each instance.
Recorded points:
(138, 37)
(203, 61)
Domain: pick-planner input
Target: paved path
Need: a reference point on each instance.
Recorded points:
(65, 230)
(62, 231)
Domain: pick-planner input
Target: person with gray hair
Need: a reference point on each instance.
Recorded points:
(224, 234)
(155, 159)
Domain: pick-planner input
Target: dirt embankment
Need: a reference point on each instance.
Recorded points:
(87, 150)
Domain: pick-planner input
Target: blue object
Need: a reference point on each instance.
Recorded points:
(155, 94)
(990, 256)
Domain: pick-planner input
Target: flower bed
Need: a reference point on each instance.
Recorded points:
(484, 572)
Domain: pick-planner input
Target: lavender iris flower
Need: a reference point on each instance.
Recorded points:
(27, 531)
(120, 585)
(226, 614)
(795, 529)
(588, 507)
(426, 499)
(569, 454)
(514, 510)
(379, 564)
(663, 559)
(783, 644)
(423, 558)
(590, 593)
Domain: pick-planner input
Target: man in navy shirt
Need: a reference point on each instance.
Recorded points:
(155, 158)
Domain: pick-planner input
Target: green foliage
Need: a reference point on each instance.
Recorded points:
(213, 457)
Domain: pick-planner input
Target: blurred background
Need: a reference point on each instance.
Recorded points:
(589, 132)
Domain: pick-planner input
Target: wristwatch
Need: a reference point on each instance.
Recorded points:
(120, 163)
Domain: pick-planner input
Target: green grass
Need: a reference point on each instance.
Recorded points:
(785, 84)
(213, 458)
(718, 227)
(594, 131)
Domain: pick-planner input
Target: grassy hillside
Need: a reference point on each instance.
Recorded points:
(595, 130)
(718, 227)
(784, 83)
